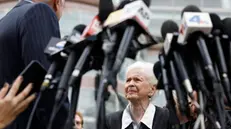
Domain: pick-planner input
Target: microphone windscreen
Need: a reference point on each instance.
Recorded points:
(190, 8)
(79, 28)
(105, 8)
(216, 21)
(168, 26)
(157, 69)
(227, 26)
(124, 2)
(147, 2)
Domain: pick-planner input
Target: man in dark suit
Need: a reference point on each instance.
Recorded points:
(140, 86)
(24, 33)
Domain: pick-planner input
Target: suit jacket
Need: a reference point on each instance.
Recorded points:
(24, 33)
(161, 120)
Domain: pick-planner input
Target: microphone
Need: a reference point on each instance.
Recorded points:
(53, 50)
(190, 8)
(226, 24)
(227, 44)
(193, 29)
(76, 34)
(168, 26)
(132, 13)
(94, 28)
(220, 58)
(56, 45)
(105, 8)
(174, 63)
(194, 22)
(135, 11)
(195, 26)
(172, 51)
(161, 74)
(157, 69)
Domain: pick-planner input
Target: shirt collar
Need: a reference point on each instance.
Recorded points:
(147, 119)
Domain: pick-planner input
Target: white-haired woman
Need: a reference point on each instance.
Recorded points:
(140, 86)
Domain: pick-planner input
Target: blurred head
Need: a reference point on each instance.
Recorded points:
(56, 5)
(78, 120)
(140, 82)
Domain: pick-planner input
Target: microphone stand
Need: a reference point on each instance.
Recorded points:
(166, 86)
(75, 82)
(200, 120)
(62, 87)
(110, 69)
(217, 89)
(101, 97)
(74, 102)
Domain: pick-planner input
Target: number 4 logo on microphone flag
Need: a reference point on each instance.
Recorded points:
(197, 19)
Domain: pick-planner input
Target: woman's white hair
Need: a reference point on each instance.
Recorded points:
(147, 69)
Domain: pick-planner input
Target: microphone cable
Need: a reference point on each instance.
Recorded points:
(33, 110)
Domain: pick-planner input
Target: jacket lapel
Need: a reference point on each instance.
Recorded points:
(130, 126)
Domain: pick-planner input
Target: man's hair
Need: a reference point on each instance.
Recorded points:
(146, 69)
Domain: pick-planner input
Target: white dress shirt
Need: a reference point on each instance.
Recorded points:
(147, 118)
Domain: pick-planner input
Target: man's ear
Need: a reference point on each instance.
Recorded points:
(55, 5)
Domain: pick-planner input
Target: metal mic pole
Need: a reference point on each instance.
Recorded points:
(75, 82)
(62, 87)
(108, 47)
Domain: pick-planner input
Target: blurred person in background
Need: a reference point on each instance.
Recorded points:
(11, 103)
(24, 33)
(78, 121)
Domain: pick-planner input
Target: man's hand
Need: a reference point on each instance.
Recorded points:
(11, 105)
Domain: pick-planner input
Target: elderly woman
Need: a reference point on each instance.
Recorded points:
(140, 86)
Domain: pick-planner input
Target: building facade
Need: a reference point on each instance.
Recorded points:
(82, 11)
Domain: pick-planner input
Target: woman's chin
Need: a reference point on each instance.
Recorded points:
(132, 97)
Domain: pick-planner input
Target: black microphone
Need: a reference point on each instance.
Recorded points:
(195, 33)
(157, 69)
(220, 58)
(73, 51)
(194, 28)
(56, 46)
(174, 80)
(161, 73)
(115, 53)
(76, 34)
(132, 30)
(62, 87)
(226, 24)
(105, 8)
(168, 26)
(190, 8)
(54, 49)
(174, 63)
(226, 43)
(173, 52)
